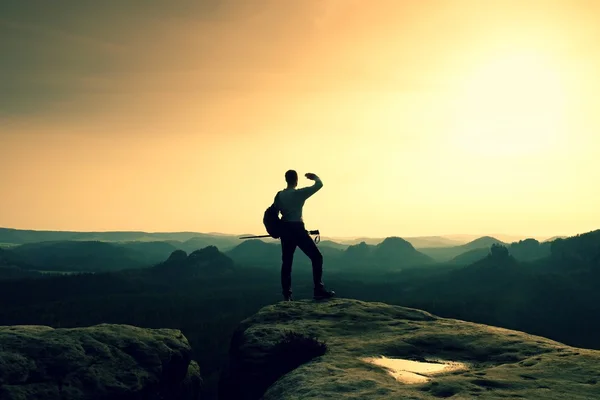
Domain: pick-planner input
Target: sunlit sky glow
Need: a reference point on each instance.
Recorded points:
(421, 117)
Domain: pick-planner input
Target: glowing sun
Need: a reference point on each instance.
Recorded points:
(511, 105)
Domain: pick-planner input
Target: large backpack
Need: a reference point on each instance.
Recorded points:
(272, 221)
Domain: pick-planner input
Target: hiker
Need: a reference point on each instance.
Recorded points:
(293, 233)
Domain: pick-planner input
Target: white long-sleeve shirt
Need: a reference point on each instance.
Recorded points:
(290, 201)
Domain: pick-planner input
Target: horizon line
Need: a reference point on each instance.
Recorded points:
(323, 236)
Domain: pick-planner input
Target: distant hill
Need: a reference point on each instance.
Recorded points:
(358, 255)
(80, 256)
(553, 238)
(330, 254)
(397, 251)
(12, 266)
(432, 241)
(529, 250)
(470, 256)
(18, 236)
(581, 252)
(8, 258)
(333, 245)
(484, 241)
(466, 238)
(444, 254)
(524, 250)
(417, 241)
(256, 253)
(392, 252)
(496, 263)
(358, 240)
(222, 242)
(205, 262)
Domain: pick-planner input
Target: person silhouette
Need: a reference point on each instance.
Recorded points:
(289, 202)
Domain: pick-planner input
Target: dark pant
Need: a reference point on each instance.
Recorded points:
(294, 234)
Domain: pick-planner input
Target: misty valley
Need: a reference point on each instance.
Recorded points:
(205, 285)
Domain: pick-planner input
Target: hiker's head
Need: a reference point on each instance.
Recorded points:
(291, 177)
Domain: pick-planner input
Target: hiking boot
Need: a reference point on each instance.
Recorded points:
(322, 294)
(288, 298)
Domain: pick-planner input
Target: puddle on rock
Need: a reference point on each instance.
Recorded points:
(413, 372)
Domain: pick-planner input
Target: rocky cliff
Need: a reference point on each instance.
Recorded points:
(348, 349)
(94, 363)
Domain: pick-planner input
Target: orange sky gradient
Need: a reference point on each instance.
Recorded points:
(421, 117)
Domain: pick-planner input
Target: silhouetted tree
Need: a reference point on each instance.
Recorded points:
(498, 251)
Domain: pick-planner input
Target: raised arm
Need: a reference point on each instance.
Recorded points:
(309, 191)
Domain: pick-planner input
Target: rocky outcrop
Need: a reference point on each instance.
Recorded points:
(94, 363)
(334, 339)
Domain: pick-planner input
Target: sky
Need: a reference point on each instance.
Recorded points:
(421, 117)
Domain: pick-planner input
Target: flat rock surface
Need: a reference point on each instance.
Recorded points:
(98, 362)
(501, 363)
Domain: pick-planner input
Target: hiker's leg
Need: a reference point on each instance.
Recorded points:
(288, 247)
(309, 247)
